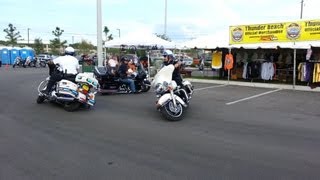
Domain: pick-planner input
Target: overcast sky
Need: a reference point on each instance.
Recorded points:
(186, 19)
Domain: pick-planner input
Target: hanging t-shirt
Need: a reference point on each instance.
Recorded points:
(216, 62)
(309, 53)
(228, 61)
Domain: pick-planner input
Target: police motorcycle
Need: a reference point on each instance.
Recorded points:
(110, 83)
(172, 100)
(18, 62)
(30, 62)
(42, 62)
(72, 95)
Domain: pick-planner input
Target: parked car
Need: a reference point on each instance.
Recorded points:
(44, 57)
(187, 61)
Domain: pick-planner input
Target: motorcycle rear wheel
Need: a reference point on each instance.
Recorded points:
(40, 99)
(43, 64)
(146, 86)
(72, 106)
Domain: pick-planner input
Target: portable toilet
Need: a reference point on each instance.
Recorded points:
(14, 52)
(5, 55)
(0, 56)
(27, 51)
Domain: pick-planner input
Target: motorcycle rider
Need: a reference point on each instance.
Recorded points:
(68, 64)
(124, 74)
(169, 58)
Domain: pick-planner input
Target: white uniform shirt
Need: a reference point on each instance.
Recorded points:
(68, 64)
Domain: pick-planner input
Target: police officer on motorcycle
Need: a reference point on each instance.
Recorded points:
(169, 58)
(63, 67)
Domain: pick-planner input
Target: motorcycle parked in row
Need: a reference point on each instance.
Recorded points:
(30, 63)
(18, 62)
(24, 63)
(42, 62)
(72, 95)
(172, 100)
(111, 83)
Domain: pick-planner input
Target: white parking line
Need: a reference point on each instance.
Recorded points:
(210, 87)
(251, 97)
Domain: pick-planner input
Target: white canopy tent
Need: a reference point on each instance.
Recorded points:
(219, 39)
(140, 38)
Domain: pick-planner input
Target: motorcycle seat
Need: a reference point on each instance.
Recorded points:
(100, 71)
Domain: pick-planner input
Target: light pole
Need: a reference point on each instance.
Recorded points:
(99, 34)
(301, 11)
(119, 32)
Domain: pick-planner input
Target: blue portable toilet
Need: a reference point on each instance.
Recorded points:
(5, 55)
(0, 56)
(14, 52)
(25, 52)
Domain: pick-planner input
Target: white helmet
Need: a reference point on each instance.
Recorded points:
(168, 53)
(69, 51)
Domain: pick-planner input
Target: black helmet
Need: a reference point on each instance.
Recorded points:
(125, 58)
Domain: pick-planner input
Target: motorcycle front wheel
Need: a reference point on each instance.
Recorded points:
(32, 64)
(172, 113)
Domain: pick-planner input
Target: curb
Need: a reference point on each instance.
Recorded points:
(255, 84)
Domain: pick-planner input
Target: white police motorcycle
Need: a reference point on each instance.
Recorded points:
(172, 99)
(71, 95)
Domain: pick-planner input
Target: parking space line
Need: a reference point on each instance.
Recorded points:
(209, 87)
(251, 97)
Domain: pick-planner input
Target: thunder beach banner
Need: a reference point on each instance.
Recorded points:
(308, 30)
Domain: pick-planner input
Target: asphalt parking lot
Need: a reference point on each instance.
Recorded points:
(229, 132)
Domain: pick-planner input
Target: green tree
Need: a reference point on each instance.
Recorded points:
(163, 36)
(106, 33)
(12, 35)
(38, 45)
(84, 47)
(3, 42)
(56, 44)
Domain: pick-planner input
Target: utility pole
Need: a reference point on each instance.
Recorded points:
(28, 35)
(301, 11)
(165, 17)
(99, 34)
(72, 39)
(118, 32)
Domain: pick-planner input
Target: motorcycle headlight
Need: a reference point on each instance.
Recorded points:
(161, 87)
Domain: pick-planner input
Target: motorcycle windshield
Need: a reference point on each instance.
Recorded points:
(165, 74)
